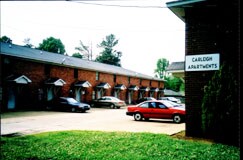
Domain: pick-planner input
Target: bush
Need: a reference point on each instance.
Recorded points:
(220, 109)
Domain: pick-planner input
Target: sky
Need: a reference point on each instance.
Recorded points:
(145, 29)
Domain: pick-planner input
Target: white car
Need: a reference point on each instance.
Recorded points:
(174, 104)
(172, 99)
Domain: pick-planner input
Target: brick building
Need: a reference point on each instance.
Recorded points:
(212, 26)
(30, 76)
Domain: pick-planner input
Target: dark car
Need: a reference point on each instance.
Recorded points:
(67, 104)
(145, 99)
(156, 109)
(109, 101)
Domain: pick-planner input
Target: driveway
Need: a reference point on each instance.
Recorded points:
(96, 119)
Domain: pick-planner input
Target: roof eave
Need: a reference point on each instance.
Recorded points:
(177, 7)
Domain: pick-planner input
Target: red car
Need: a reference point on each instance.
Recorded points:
(160, 109)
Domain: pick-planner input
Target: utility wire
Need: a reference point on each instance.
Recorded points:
(114, 5)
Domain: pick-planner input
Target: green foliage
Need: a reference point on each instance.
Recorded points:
(174, 83)
(111, 146)
(5, 39)
(182, 86)
(220, 110)
(77, 55)
(161, 65)
(52, 45)
(109, 55)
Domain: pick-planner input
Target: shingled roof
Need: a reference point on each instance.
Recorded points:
(176, 66)
(63, 60)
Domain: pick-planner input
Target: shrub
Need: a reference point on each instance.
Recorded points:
(220, 109)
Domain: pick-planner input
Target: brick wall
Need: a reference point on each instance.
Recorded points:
(208, 30)
(35, 71)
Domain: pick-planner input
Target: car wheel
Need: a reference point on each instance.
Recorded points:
(138, 116)
(113, 106)
(73, 109)
(177, 118)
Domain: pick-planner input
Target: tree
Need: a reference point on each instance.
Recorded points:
(174, 83)
(52, 45)
(160, 71)
(77, 55)
(5, 39)
(85, 52)
(109, 55)
(27, 43)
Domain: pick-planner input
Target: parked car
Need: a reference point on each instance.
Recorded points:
(175, 104)
(145, 99)
(109, 101)
(67, 104)
(156, 109)
(172, 99)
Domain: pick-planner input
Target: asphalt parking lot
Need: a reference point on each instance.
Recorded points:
(96, 119)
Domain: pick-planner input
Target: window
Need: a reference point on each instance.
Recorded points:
(97, 76)
(47, 70)
(114, 78)
(129, 80)
(150, 82)
(8, 67)
(160, 105)
(75, 73)
(140, 81)
(145, 105)
(152, 105)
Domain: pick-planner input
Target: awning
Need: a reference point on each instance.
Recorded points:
(153, 89)
(55, 82)
(120, 87)
(84, 84)
(144, 89)
(18, 79)
(133, 88)
(103, 85)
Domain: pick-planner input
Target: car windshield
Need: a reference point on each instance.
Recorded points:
(115, 99)
(112, 98)
(71, 100)
(167, 103)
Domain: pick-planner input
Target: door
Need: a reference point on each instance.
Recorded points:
(77, 94)
(146, 110)
(107, 101)
(161, 111)
(11, 98)
(101, 101)
(130, 94)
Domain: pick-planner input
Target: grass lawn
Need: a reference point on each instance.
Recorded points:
(111, 145)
